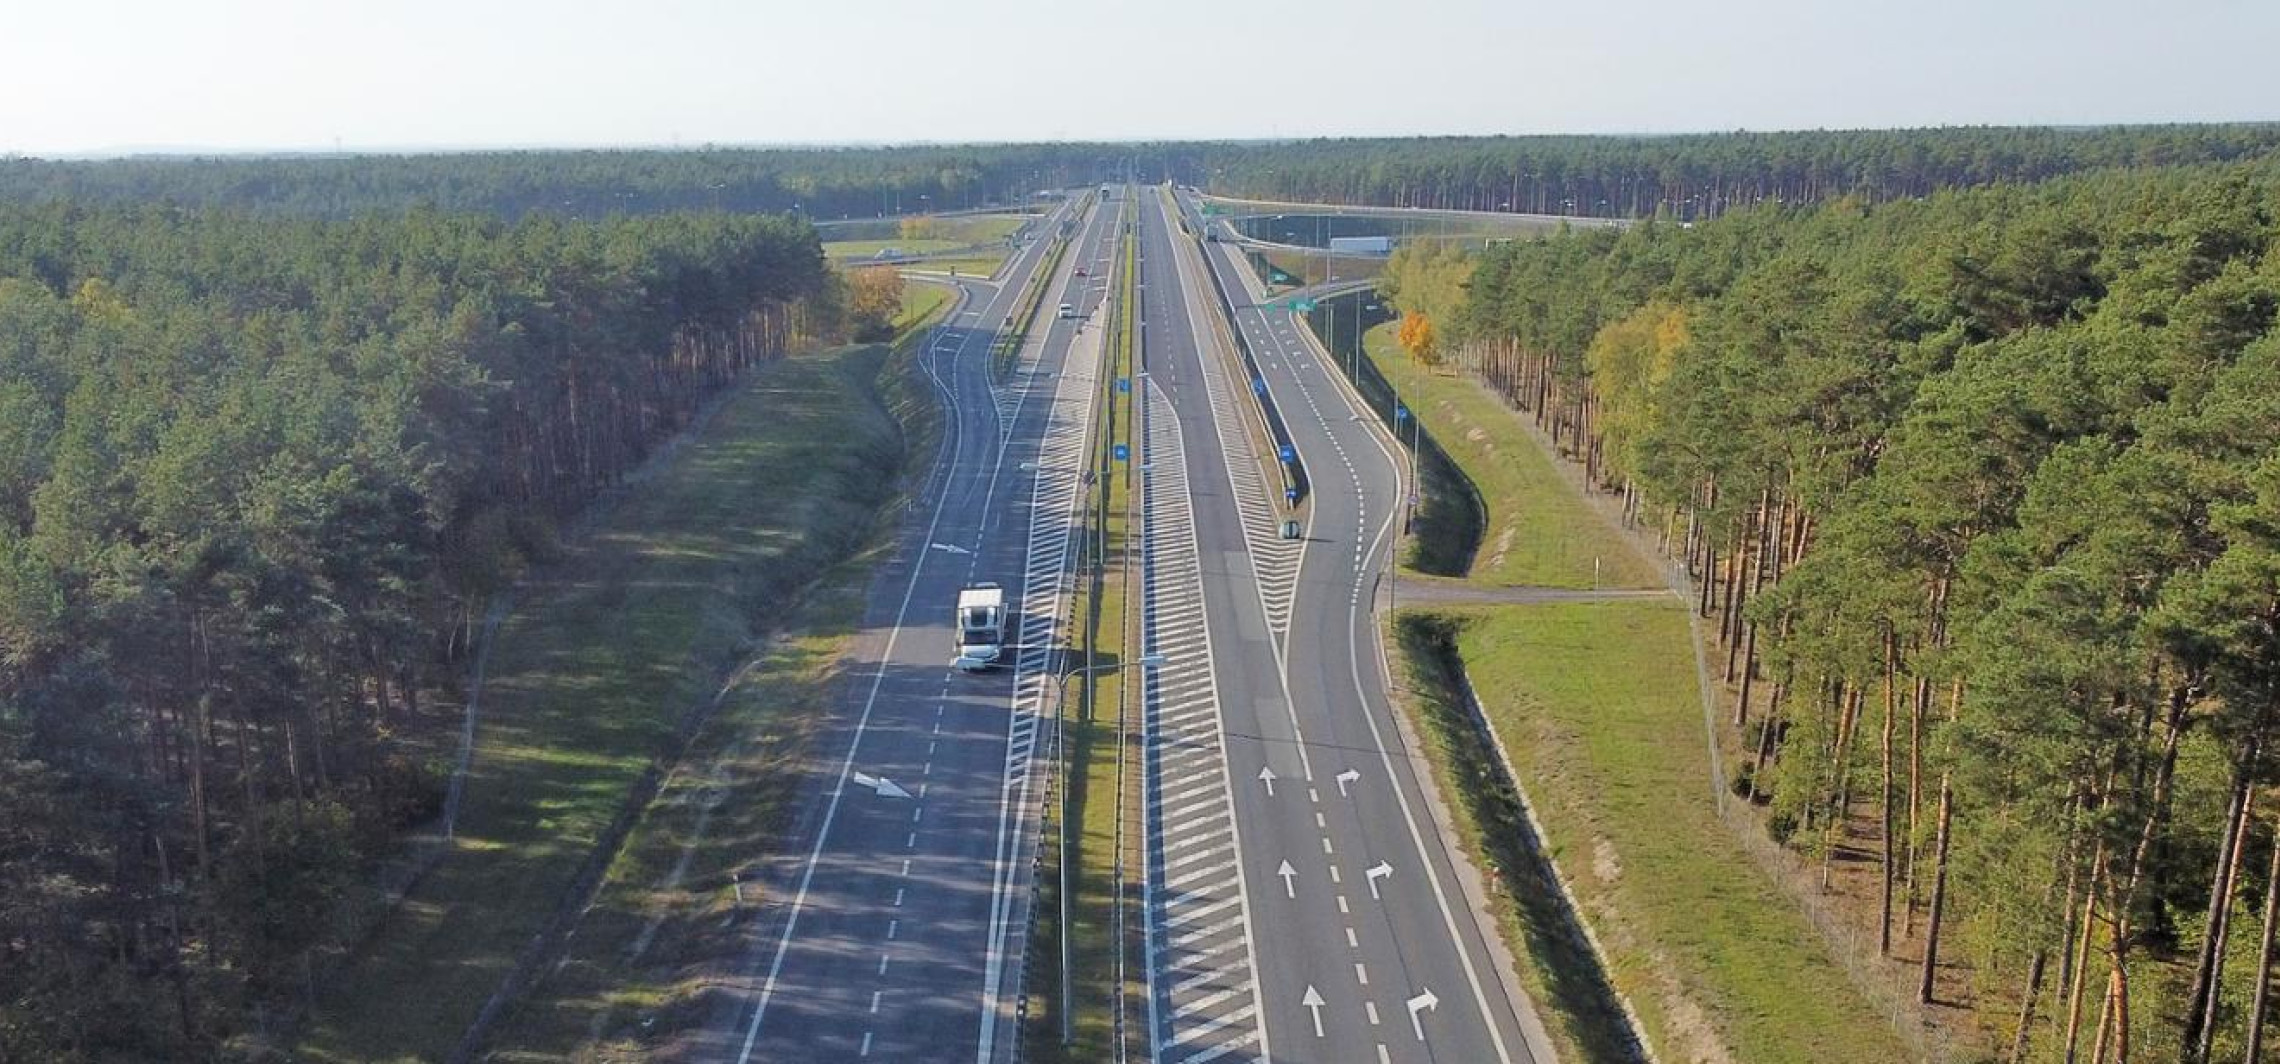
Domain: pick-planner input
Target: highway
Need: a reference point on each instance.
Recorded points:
(1302, 904)
(895, 928)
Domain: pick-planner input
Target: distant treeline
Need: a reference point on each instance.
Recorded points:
(257, 478)
(1704, 175)
(1691, 176)
(1983, 495)
(817, 183)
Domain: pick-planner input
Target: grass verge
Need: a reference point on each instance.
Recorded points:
(595, 677)
(846, 250)
(1557, 967)
(920, 302)
(1595, 706)
(1534, 529)
(963, 265)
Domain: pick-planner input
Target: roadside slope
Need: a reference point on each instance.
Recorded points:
(604, 660)
(1592, 706)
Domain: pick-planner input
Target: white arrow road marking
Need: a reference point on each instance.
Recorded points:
(1289, 877)
(1422, 1002)
(882, 786)
(1313, 1002)
(1345, 778)
(1378, 872)
(950, 547)
(1267, 776)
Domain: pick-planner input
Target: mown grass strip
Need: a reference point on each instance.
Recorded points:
(1096, 723)
(1595, 706)
(1557, 966)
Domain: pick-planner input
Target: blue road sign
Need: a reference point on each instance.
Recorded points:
(1290, 495)
(1123, 453)
(1288, 454)
(1124, 384)
(1259, 386)
(1400, 413)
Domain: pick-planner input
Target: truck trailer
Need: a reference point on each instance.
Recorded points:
(981, 626)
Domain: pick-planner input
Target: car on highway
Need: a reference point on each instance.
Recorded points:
(1068, 310)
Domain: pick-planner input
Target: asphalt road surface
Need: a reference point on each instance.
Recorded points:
(1302, 904)
(895, 928)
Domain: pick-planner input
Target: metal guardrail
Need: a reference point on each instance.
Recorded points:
(1294, 482)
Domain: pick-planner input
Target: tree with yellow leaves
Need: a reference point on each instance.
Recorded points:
(1419, 338)
(874, 297)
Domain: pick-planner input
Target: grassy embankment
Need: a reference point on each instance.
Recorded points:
(1596, 708)
(983, 234)
(1497, 511)
(608, 656)
(1100, 725)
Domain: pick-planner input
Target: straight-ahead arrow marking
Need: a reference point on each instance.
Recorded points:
(1267, 776)
(1313, 1002)
(1289, 877)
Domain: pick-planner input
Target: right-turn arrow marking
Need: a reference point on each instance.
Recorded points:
(1424, 1002)
(1345, 778)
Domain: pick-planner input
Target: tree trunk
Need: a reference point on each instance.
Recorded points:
(2079, 952)
(1939, 896)
(2019, 1034)
(2200, 999)
(1920, 697)
(1884, 802)
(2255, 1038)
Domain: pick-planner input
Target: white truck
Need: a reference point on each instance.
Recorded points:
(981, 626)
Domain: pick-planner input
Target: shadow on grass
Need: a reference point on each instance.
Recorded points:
(1567, 980)
(1451, 519)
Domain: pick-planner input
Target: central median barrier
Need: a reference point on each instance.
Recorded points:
(1290, 470)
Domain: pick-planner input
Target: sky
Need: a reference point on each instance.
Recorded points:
(106, 76)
